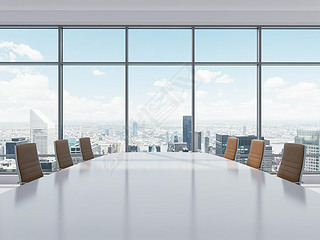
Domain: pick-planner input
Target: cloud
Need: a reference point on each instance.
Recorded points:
(225, 109)
(25, 88)
(97, 72)
(275, 82)
(100, 97)
(11, 50)
(162, 83)
(201, 94)
(301, 91)
(299, 101)
(225, 79)
(81, 109)
(206, 76)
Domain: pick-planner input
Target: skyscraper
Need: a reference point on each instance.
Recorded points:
(221, 143)
(311, 141)
(154, 148)
(135, 129)
(206, 144)
(167, 137)
(187, 121)
(198, 141)
(11, 145)
(244, 145)
(42, 132)
(266, 164)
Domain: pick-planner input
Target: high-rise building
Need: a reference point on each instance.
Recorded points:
(133, 148)
(71, 141)
(180, 147)
(154, 148)
(266, 164)
(187, 128)
(206, 144)
(244, 145)
(311, 141)
(42, 132)
(170, 147)
(135, 129)
(11, 145)
(167, 137)
(221, 143)
(197, 141)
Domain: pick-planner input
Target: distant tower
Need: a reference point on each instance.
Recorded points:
(198, 140)
(311, 141)
(135, 129)
(221, 143)
(244, 131)
(167, 137)
(42, 132)
(187, 120)
(206, 144)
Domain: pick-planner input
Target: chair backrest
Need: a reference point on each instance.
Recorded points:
(256, 153)
(231, 149)
(86, 150)
(28, 164)
(63, 155)
(292, 162)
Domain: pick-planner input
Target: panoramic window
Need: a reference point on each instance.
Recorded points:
(160, 97)
(225, 105)
(28, 45)
(28, 104)
(226, 45)
(93, 45)
(160, 45)
(290, 45)
(94, 107)
(159, 78)
(291, 97)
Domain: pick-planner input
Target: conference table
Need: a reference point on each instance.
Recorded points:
(174, 196)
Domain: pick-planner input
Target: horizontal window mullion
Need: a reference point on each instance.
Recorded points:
(4, 26)
(29, 63)
(290, 63)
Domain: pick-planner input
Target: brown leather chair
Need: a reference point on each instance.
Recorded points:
(28, 164)
(63, 155)
(231, 149)
(292, 162)
(86, 150)
(256, 153)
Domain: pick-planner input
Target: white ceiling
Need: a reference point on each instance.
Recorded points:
(243, 5)
(212, 12)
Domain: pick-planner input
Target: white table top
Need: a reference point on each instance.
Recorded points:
(159, 196)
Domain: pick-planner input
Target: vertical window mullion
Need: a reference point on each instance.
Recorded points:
(60, 83)
(193, 92)
(126, 91)
(259, 85)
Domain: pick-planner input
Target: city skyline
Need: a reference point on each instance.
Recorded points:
(160, 95)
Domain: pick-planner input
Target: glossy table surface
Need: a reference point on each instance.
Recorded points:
(159, 196)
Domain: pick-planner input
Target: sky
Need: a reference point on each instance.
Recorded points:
(159, 94)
